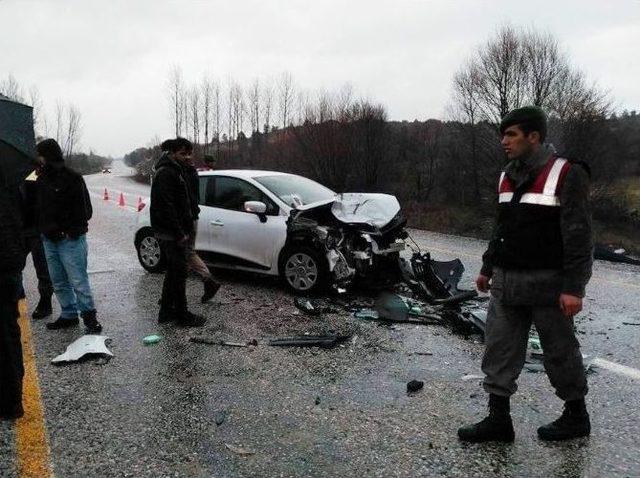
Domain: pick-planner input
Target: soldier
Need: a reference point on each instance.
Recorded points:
(537, 265)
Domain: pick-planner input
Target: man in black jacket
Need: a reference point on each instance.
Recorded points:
(11, 263)
(537, 266)
(33, 244)
(64, 210)
(172, 222)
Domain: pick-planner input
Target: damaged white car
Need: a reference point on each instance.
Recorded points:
(290, 226)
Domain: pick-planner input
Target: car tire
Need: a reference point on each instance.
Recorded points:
(304, 270)
(149, 252)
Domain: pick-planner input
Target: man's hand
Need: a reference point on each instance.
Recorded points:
(570, 305)
(483, 283)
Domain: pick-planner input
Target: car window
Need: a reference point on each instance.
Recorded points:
(206, 191)
(232, 193)
(295, 190)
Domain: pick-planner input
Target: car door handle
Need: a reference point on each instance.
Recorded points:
(217, 222)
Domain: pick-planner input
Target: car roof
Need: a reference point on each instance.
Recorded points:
(241, 173)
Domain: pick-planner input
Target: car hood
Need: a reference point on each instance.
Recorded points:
(373, 209)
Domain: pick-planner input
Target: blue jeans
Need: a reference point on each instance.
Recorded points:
(67, 263)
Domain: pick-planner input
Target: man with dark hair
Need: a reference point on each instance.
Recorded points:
(64, 210)
(537, 266)
(11, 263)
(172, 221)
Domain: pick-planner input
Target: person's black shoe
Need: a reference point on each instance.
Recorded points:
(63, 323)
(43, 309)
(496, 427)
(573, 423)
(211, 288)
(91, 322)
(188, 319)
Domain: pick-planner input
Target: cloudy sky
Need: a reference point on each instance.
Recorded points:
(112, 58)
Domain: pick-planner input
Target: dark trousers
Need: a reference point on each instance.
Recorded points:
(11, 367)
(174, 294)
(506, 338)
(33, 245)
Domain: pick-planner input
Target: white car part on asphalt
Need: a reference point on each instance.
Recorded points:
(87, 344)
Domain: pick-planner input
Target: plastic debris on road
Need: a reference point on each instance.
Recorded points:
(414, 386)
(84, 346)
(151, 339)
(238, 450)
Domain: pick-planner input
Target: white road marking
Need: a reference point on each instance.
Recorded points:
(617, 368)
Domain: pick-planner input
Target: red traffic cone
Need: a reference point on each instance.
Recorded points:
(121, 200)
(141, 204)
(106, 195)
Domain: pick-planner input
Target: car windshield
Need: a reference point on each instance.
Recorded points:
(295, 190)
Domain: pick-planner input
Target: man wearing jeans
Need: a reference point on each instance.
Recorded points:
(64, 210)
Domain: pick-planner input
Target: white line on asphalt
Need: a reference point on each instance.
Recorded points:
(617, 368)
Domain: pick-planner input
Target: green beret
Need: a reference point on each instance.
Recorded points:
(532, 118)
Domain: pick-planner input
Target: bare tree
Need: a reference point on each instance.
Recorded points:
(285, 97)
(176, 87)
(72, 136)
(10, 88)
(254, 105)
(207, 100)
(59, 112)
(194, 113)
(267, 103)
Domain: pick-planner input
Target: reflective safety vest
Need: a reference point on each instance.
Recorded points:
(528, 234)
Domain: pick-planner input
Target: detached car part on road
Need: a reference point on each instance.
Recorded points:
(290, 226)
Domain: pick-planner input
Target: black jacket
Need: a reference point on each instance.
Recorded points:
(575, 240)
(193, 185)
(170, 210)
(11, 242)
(64, 205)
(29, 203)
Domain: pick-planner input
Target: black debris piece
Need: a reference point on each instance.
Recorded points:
(323, 341)
(414, 385)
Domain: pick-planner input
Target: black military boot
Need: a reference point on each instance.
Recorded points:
(211, 288)
(91, 322)
(573, 423)
(43, 309)
(496, 427)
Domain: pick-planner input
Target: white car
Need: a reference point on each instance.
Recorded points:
(286, 225)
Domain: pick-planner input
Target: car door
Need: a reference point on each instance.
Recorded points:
(207, 232)
(242, 238)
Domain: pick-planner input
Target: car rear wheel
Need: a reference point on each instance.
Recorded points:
(149, 251)
(304, 270)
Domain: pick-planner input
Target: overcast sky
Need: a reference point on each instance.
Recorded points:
(112, 58)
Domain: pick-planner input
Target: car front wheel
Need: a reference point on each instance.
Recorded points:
(304, 270)
(149, 252)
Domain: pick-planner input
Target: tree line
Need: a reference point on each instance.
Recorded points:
(449, 165)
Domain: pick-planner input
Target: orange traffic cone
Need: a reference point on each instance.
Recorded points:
(141, 204)
(106, 195)
(121, 200)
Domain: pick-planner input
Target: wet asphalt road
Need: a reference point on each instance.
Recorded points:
(152, 410)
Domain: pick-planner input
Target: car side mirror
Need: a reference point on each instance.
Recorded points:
(257, 207)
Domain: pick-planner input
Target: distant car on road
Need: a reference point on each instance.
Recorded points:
(106, 171)
(286, 225)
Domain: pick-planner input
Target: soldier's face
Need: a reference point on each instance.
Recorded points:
(516, 144)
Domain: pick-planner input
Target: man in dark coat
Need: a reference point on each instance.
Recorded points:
(11, 264)
(172, 221)
(537, 266)
(33, 245)
(64, 210)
